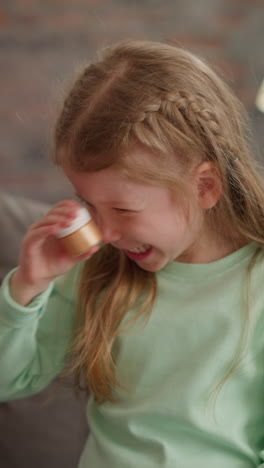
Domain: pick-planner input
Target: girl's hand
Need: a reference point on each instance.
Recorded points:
(42, 257)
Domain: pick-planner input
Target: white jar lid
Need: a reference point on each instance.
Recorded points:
(83, 217)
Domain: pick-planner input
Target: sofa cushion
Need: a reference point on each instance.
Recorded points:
(17, 214)
(47, 430)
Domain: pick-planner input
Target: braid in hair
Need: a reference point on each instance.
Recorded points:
(197, 122)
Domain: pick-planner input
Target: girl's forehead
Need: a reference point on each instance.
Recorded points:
(117, 180)
(106, 184)
(105, 178)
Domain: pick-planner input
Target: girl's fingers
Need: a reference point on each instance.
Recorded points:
(53, 220)
(63, 213)
(56, 216)
(70, 213)
(67, 210)
(35, 238)
(60, 216)
(69, 203)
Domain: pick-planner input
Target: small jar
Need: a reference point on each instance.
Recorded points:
(81, 235)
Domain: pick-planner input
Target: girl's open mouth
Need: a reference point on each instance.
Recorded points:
(139, 255)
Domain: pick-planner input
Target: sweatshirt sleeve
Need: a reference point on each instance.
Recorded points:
(35, 339)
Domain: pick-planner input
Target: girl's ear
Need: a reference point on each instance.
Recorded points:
(208, 183)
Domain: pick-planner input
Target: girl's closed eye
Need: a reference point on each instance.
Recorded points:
(91, 207)
(126, 211)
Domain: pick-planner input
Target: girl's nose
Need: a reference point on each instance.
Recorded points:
(110, 233)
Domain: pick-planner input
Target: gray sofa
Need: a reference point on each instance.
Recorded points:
(36, 432)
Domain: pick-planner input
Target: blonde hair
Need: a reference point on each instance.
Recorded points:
(170, 101)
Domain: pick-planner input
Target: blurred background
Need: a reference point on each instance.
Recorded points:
(43, 42)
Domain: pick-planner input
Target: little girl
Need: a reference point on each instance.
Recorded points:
(165, 323)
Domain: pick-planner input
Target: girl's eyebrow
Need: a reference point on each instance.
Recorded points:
(110, 202)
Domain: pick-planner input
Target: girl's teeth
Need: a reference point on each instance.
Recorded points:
(142, 249)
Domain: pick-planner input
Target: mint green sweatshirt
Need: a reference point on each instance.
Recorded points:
(168, 416)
